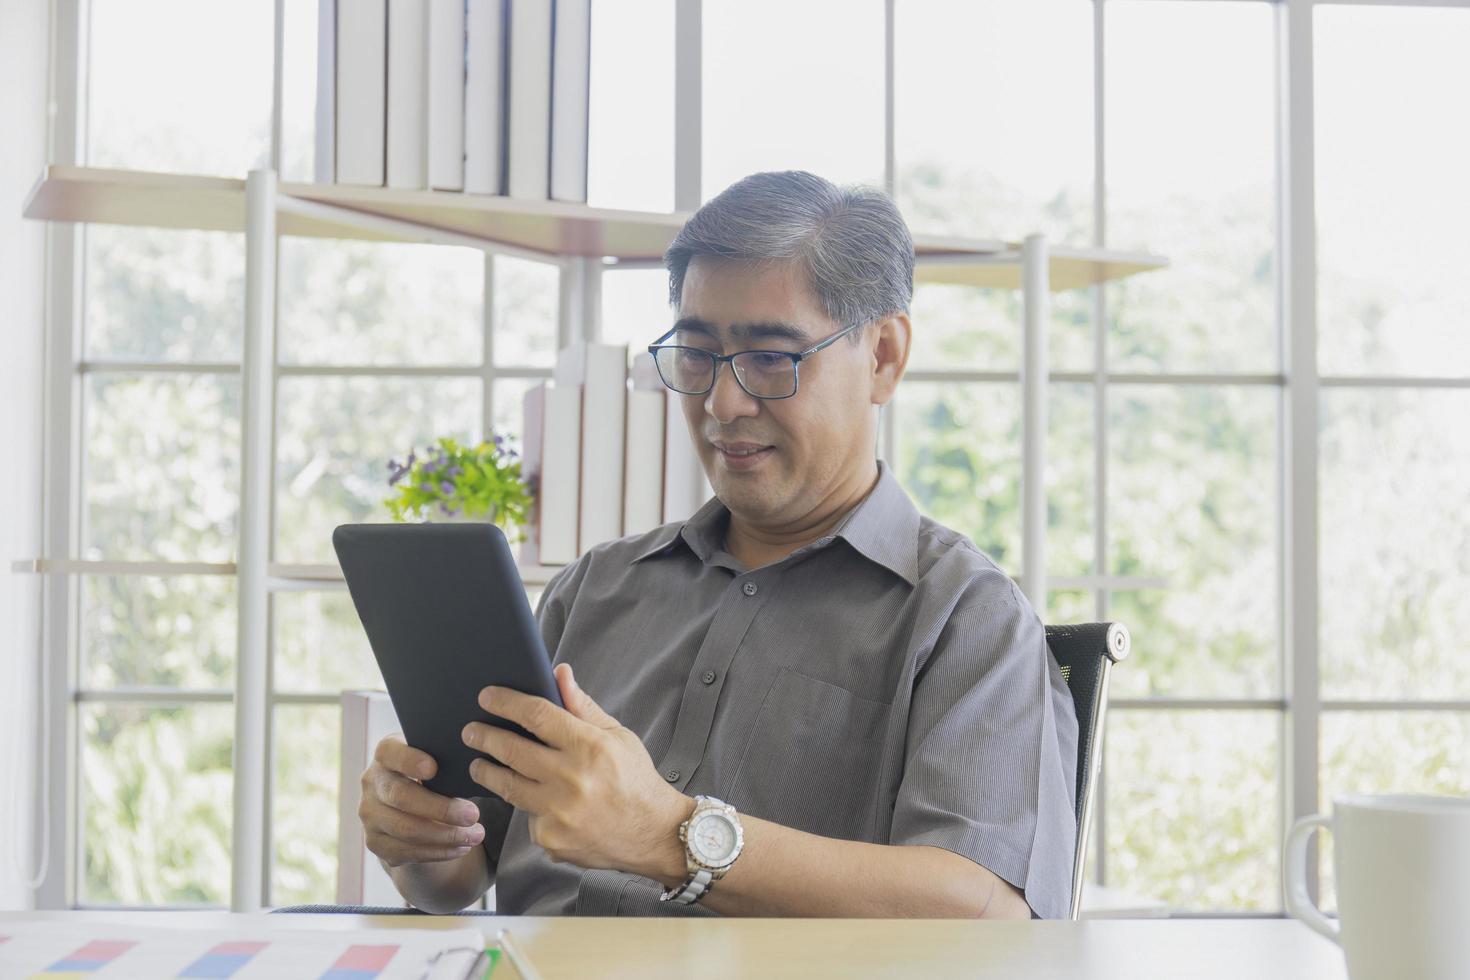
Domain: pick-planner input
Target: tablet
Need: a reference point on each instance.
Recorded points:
(446, 615)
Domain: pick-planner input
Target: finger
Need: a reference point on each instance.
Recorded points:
(579, 702)
(396, 754)
(396, 852)
(404, 794)
(509, 785)
(380, 818)
(552, 725)
(513, 751)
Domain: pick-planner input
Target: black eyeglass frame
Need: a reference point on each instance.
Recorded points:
(796, 359)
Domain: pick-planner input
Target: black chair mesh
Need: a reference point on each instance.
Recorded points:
(1081, 650)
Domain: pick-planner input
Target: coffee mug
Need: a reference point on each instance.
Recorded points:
(1403, 885)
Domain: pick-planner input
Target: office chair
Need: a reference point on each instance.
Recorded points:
(1086, 653)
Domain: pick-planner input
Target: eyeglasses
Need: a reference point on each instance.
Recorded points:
(761, 373)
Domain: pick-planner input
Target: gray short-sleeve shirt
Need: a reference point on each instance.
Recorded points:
(887, 683)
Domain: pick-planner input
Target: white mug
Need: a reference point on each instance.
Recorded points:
(1403, 885)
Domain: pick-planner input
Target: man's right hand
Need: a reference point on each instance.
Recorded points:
(405, 823)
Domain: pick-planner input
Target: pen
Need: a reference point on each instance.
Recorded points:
(517, 956)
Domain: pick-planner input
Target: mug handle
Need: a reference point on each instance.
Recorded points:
(1294, 866)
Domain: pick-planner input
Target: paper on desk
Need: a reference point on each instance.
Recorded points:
(45, 950)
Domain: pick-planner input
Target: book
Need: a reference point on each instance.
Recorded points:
(360, 91)
(602, 372)
(685, 486)
(325, 160)
(484, 97)
(367, 718)
(446, 91)
(551, 461)
(643, 448)
(408, 94)
(571, 55)
(528, 129)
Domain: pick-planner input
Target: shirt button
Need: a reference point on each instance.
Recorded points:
(709, 677)
(672, 775)
(749, 588)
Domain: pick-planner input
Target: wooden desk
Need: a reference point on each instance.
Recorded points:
(706, 949)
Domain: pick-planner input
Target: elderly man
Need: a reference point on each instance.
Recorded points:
(806, 699)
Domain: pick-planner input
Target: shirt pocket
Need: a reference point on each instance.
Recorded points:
(814, 758)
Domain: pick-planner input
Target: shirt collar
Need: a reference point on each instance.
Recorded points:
(884, 528)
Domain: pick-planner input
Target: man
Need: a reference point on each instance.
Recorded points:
(863, 702)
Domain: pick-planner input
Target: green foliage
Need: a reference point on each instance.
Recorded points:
(484, 482)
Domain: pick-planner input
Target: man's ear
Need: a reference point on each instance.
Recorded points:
(890, 355)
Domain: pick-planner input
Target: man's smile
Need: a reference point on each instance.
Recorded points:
(742, 455)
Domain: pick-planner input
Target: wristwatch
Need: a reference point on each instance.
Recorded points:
(712, 839)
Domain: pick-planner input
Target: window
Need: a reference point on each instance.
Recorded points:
(1149, 389)
(805, 96)
(993, 117)
(1393, 548)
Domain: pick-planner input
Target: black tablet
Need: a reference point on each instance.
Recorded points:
(447, 615)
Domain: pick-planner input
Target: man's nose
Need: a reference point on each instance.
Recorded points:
(727, 401)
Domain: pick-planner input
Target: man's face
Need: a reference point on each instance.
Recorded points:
(806, 446)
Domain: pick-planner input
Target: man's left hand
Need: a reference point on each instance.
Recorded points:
(594, 796)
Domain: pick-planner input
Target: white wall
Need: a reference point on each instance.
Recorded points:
(23, 97)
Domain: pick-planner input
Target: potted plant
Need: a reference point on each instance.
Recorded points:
(454, 482)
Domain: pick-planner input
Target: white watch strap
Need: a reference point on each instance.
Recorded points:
(689, 892)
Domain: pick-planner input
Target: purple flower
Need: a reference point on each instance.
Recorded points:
(453, 472)
(447, 509)
(398, 471)
(446, 487)
(430, 468)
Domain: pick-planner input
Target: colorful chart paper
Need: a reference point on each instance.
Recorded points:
(259, 948)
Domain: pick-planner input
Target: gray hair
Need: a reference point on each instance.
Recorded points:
(851, 242)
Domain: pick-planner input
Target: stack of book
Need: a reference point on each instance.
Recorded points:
(608, 452)
(479, 96)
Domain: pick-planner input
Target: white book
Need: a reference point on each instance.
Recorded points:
(325, 162)
(551, 460)
(643, 452)
(602, 371)
(685, 486)
(484, 97)
(571, 54)
(408, 93)
(362, 76)
(446, 54)
(528, 132)
(367, 718)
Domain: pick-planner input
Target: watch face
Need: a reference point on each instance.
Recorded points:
(712, 838)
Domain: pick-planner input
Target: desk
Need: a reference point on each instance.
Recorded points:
(1118, 949)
